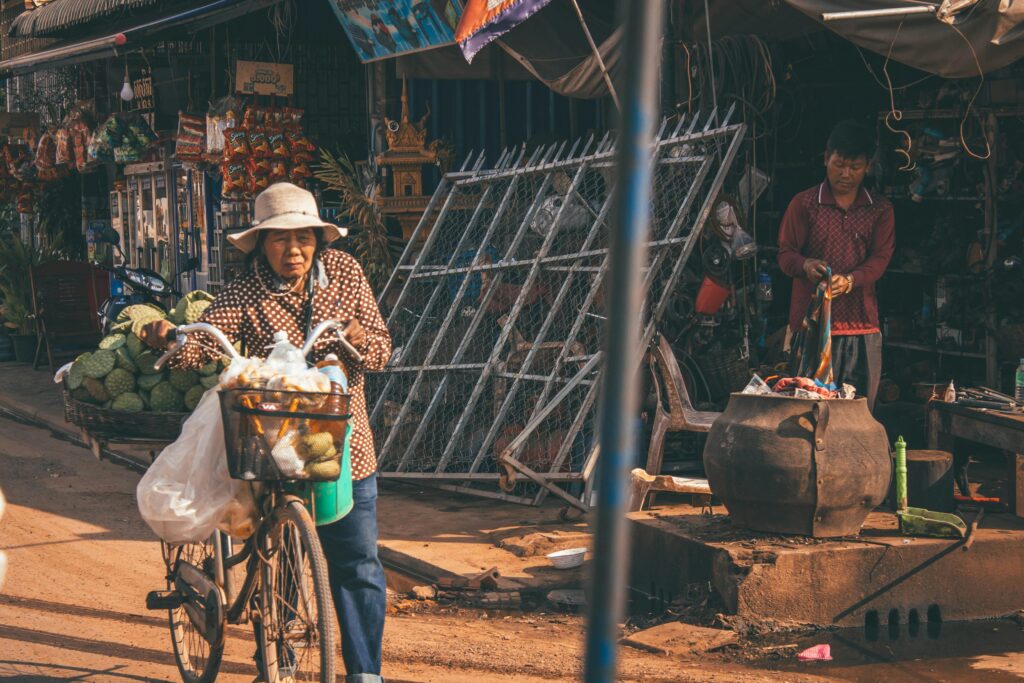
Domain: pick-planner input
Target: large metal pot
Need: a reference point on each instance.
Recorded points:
(798, 466)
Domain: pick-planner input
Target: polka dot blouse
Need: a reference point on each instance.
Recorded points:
(250, 310)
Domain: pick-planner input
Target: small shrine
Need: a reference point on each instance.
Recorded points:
(407, 154)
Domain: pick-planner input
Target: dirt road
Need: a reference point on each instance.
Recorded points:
(81, 562)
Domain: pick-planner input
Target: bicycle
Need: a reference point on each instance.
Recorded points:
(285, 590)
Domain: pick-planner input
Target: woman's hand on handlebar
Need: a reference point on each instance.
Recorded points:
(157, 333)
(355, 333)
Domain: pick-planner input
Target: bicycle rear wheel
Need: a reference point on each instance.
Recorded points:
(297, 640)
(198, 661)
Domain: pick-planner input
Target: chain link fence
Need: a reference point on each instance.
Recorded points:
(498, 315)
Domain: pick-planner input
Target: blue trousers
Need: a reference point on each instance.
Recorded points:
(357, 583)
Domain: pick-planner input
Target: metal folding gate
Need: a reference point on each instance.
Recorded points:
(498, 321)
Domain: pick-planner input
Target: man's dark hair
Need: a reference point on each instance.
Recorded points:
(851, 139)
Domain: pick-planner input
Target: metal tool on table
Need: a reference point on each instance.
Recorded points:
(918, 521)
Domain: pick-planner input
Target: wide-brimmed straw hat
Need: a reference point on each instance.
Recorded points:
(284, 206)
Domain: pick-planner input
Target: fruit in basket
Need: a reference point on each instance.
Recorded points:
(324, 469)
(112, 342)
(118, 382)
(316, 446)
(125, 360)
(209, 382)
(144, 395)
(147, 312)
(76, 373)
(164, 398)
(147, 382)
(99, 364)
(97, 392)
(145, 361)
(122, 328)
(194, 311)
(183, 380)
(82, 394)
(128, 402)
(135, 345)
(193, 396)
(209, 369)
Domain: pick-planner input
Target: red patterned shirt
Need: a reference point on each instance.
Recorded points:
(857, 241)
(251, 310)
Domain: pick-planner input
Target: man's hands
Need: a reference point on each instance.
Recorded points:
(841, 284)
(155, 334)
(815, 269)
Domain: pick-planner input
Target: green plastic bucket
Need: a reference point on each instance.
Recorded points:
(332, 500)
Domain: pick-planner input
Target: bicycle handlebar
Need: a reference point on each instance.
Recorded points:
(179, 335)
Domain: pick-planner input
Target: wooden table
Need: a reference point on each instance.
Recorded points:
(948, 422)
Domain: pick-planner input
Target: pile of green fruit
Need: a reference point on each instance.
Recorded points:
(119, 375)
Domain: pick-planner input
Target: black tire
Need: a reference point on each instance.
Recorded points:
(198, 661)
(296, 626)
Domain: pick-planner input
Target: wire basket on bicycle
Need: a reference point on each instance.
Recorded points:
(273, 434)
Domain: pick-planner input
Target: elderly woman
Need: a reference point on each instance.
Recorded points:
(294, 283)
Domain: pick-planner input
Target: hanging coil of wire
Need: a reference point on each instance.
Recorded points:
(734, 68)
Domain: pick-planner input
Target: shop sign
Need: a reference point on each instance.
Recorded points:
(143, 86)
(264, 78)
(384, 29)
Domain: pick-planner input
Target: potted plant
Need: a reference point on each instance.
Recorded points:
(18, 321)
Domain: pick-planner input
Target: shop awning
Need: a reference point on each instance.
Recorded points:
(989, 31)
(193, 19)
(60, 15)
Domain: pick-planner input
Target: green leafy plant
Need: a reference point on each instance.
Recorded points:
(369, 234)
(16, 260)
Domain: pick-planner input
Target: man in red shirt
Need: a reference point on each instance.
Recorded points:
(840, 225)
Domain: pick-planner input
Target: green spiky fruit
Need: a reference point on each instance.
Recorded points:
(112, 342)
(209, 369)
(197, 295)
(209, 382)
(147, 312)
(147, 382)
(99, 364)
(177, 314)
(96, 390)
(76, 373)
(125, 360)
(145, 362)
(315, 446)
(82, 394)
(324, 469)
(135, 345)
(164, 398)
(183, 380)
(124, 327)
(128, 402)
(194, 311)
(193, 396)
(118, 382)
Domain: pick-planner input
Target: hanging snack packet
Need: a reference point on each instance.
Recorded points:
(190, 141)
(301, 148)
(258, 145)
(64, 155)
(279, 146)
(278, 170)
(236, 144)
(235, 178)
(46, 152)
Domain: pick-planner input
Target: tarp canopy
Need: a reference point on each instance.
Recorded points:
(59, 15)
(987, 35)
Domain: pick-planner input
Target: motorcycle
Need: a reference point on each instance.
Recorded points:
(147, 286)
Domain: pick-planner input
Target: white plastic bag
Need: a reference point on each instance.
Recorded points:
(187, 492)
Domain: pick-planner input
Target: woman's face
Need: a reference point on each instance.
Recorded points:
(290, 252)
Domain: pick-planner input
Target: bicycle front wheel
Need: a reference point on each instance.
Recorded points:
(198, 660)
(297, 640)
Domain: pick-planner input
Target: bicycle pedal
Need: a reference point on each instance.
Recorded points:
(161, 600)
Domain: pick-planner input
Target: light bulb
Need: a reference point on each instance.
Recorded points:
(127, 94)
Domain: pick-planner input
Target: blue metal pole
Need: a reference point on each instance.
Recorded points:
(643, 20)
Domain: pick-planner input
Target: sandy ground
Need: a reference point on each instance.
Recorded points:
(81, 563)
